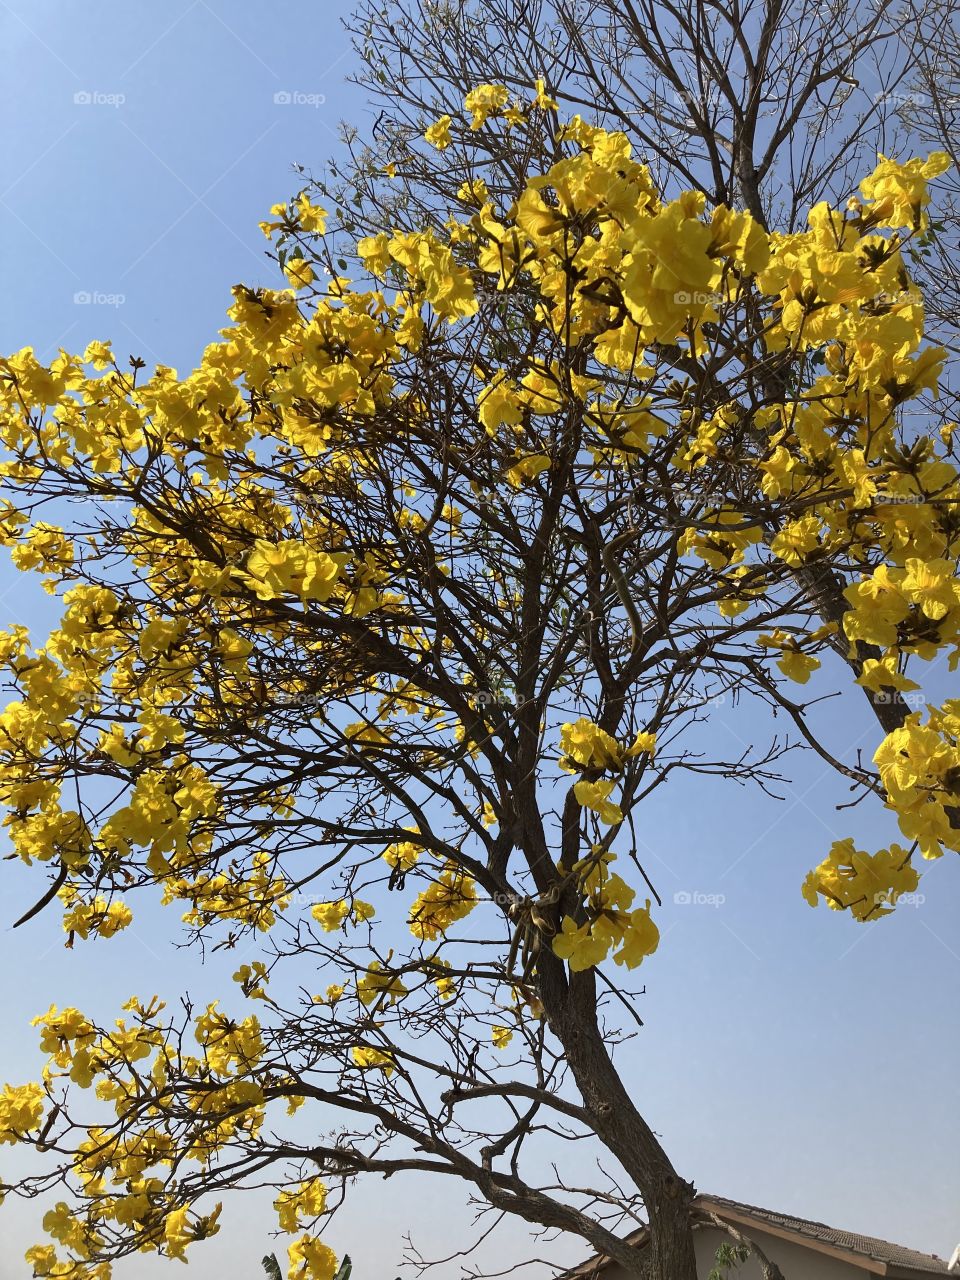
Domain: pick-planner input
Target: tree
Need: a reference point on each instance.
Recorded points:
(406, 599)
(930, 110)
(772, 107)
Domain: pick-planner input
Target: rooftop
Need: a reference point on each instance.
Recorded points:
(869, 1252)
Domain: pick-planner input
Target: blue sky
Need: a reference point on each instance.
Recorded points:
(790, 1058)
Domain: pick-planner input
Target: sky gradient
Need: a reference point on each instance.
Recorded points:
(790, 1058)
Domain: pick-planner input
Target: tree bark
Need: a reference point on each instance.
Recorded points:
(571, 1010)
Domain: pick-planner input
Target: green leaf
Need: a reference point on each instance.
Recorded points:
(727, 1256)
(271, 1266)
(346, 1266)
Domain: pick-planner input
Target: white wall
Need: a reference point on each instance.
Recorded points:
(795, 1261)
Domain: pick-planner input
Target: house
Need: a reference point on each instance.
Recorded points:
(802, 1250)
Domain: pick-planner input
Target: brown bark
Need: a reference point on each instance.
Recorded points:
(572, 1013)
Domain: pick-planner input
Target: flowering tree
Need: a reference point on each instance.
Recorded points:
(767, 106)
(379, 627)
(770, 107)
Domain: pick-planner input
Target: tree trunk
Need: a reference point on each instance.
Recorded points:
(572, 1013)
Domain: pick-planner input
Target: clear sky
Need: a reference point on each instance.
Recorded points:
(790, 1058)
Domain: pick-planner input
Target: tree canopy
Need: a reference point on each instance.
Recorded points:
(379, 627)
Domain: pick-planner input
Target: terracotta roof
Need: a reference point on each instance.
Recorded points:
(868, 1252)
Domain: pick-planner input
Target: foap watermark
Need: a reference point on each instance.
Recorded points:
(694, 699)
(97, 298)
(286, 700)
(887, 697)
(506, 899)
(885, 499)
(98, 98)
(697, 898)
(689, 504)
(890, 898)
(298, 98)
(301, 899)
(911, 297)
(482, 698)
(901, 101)
(90, 700)
(708, 99)
(687, 500)
(697, 298)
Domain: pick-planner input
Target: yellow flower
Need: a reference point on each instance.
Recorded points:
(403, 856)
(45, 548)
(586, 745)
(299, 273)
(738, 236)
(867, 885)
(484, 101)
(330, 915)
(435, 272)
(21, 1109)
(501, 1036)
(43, 1259)
(98, 354)
(527, 468)
(253, 979)
(594, 795)
(797, 540)
(306, 1202)
(797, 666)
(542, 99)
(898, 192)
(643, 743)
(177, 1232)
(310, 1259)
(97, 917)
(277, 568)
(931, 585)
(374, 253)
(577, 945)
(366, 1058)
(448, 899)
(378, 982)
(473, 191)
(878, 674)
(499, 404)
(310, 216)
(446, 986)
(228, 1042)
(878, 606)
(438, 134)
(641, 937)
